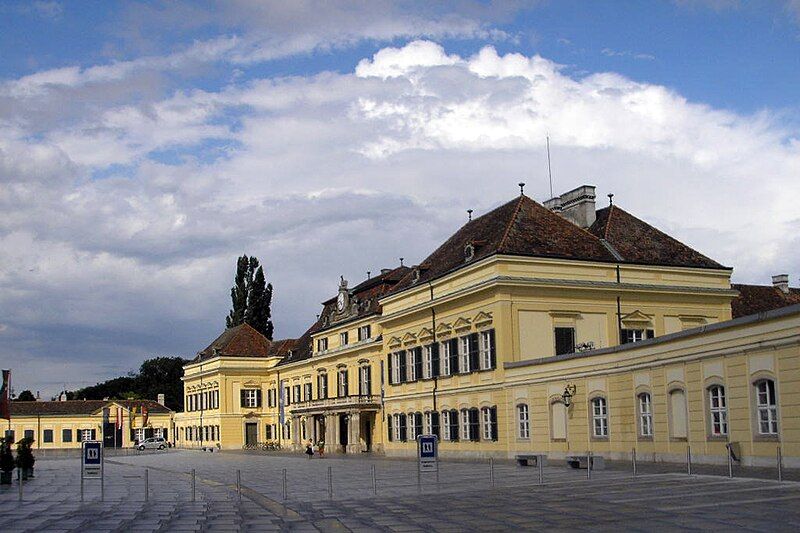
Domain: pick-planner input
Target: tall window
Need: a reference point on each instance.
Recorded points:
(365, 380)
(719, 410)
(444, 359)
(767, 406)
(86, 434)
(463, 354)
(344, 338)
(645, 415)
(489, 423)
(679, 424)
(446, 425)
(297, 397)
(427, 362)
(395, 370)
(428, 423)
(599, 417)
(565, 340)
(322, 344)
(250, 398)
(306, 392)
(523, 422)
(47, 435)
(486, 347)
(411, 364)
(364, 333)
(465, 424)
(342, 383)
(322, 386)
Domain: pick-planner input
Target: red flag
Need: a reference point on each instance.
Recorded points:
(5, 408)
(119, 418)
(144, 417)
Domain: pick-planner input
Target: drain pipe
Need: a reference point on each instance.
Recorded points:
(619, 313)
(433, 328)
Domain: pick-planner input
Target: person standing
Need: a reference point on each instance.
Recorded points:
(309, 449)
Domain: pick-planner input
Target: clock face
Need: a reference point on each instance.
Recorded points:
(340, 302)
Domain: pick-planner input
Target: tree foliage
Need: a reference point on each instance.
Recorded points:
(26, 396)
(251, 297)
(160, 375)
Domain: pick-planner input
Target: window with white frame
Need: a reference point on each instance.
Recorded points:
(138, 433)
(463, 354)
(523, 421)
(365, 380)
(344, 338)
(486, 424)
(464, 424)
(396, 367)
(396, 420)
(322, 386)
(446, 424)
(342, 392)
(250, 397)
(364, 333)
(412, 427)
(158, 432)
(645, 415)
(411, 365)
(427, 362)
(767, 407)
(719, 410)
(86, 435)
(485, 349)
(427, 427)
(322, 344)
(599, 417)
(444, 358)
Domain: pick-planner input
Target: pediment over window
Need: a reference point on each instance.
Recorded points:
(637, 318)
(409, 338)
(251, 384)
(251, 414)
(425, 334)
(443, 329)
(461, 323)
(482, 318)
(692, 321)
(394, 342)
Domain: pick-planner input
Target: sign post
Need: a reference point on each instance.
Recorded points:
(92, 464)
(428, 453)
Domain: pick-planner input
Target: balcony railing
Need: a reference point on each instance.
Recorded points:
(356, 401)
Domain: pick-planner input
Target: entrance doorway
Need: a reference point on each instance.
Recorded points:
(366, 430)
(343, 424)
(250, 433)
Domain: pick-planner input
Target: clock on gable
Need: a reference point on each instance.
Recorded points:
(343, 299)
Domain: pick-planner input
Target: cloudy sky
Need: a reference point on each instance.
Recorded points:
(144, 145)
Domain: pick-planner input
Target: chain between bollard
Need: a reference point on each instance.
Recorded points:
(589, 465)
(284, 485)
(194, 485)
(633, 461)
(780, 464)
(239, 485)
(730, 461)
(689, 460)
(540, 465)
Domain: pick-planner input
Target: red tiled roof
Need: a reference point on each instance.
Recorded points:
(754, 299)
(638, 242)
(79, 407)
(239, 341)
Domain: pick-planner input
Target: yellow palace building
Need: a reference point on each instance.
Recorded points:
(557, 328)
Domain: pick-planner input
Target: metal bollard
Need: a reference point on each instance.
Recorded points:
(330, 483)
(780, 465)
(19, 482)
(284, 485)
(540, 464)
(689, 460)
(730, 463)
(491, 471)
(589, 465)
(633, 460)
(419, 481)
(239, 485)
(146, 484)
(374, 480)
(81, 485)
(194, 484)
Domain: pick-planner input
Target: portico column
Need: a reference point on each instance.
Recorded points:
(310, 427)
(295, 432)
(330, 433)
(354, 433)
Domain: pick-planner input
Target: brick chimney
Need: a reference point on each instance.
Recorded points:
(576, 205)
(781, 281)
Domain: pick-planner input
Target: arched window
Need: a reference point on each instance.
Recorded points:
(718, 408)
(767, 407)
(599, 417)
(645, 415)
(523, 421)
(679, 425)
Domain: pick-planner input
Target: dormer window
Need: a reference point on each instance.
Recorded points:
(415, 275)
(469, 252)
(322, 344)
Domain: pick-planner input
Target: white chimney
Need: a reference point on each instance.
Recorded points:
(576, 205)
(781, 281)
(161, 399)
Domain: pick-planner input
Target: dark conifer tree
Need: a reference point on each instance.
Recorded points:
(251, 297)
(239, 293)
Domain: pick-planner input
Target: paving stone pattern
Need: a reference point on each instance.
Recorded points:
(464, 499)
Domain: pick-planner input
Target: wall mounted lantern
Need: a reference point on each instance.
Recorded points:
(569, 392)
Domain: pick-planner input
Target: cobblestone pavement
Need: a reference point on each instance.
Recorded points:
(469, 496)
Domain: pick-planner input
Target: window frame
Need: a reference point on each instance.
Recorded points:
(599, 417)
(250, 403)
(427, 361)
(364, 332)
(444, 359)
(555, 339)
(770, 409)
(717, 411)
(463, 355)
(523, 421)
(645, 416)
(485, 349)
(344, 338)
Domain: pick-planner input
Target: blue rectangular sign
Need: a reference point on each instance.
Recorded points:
(427, 447)
(92, 460)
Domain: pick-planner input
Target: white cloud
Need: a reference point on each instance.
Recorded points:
(342, 173)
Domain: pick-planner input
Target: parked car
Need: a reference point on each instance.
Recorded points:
(153, 443)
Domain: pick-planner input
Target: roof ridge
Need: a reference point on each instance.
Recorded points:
(511, 222)
(608, 221)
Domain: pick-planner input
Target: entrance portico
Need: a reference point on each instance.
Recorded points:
(345, 424)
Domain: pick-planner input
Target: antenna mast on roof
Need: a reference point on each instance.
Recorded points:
(549, 171)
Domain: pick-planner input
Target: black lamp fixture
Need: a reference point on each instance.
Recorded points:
(569, 392)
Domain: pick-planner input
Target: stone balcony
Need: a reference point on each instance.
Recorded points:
(362, 402)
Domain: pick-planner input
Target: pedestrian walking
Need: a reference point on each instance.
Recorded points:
(309, 449)
(321, 448)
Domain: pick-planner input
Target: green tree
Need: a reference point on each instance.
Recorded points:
(26, 396)
(251, 297)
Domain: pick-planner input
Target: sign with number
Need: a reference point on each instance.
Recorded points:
(428, 452)
(92, 459)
